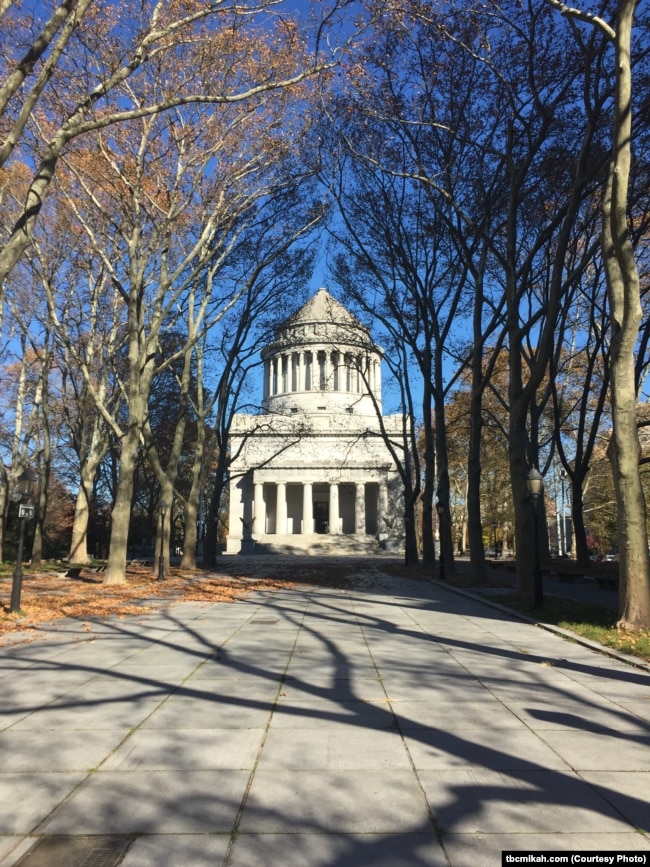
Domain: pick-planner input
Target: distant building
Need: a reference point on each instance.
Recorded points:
(314, 463)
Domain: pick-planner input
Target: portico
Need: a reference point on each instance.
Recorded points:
(328, 508)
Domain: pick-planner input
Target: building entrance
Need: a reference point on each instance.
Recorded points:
(321, 517)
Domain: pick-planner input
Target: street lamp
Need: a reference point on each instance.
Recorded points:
(23, 493)
(440, 509)
(534, 482)
(161, 564)
(563, 525)
(494, 536)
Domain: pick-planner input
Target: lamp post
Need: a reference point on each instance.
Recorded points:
(440, 509)
(23, 492)
(494, 537)
(563, 524)
(534, 482)
(161, 559)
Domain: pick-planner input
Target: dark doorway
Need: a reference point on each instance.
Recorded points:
(321, 517)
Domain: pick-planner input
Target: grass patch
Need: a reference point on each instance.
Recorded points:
(589, 621)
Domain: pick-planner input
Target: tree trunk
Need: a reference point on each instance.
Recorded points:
(121, 515)
(624, 294)
(411, 541)
(428, 545)
(4, 507)
(578, 520)
(41, 509)
(444, 492)
(192, 508)
(475, 527)
(79, 545)
(524, 518)
(220, 482)
(190, 539)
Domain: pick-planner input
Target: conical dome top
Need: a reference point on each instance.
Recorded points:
(322, 307)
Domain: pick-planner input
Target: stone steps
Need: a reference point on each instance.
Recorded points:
(319, 545)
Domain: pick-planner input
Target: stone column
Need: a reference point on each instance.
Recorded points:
(338, 376)
(295, 371)
(334, 509)
(301, 371)
(307, 509)
(259, 511)
(328, 370)
(360, 508)
(284, 366)
(382, 507)
(281, 509)
(309, 370)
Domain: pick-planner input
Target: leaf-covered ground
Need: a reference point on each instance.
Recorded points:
(50, 596)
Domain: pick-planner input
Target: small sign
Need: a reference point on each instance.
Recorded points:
(25, 511)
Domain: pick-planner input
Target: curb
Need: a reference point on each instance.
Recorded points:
(549, 627)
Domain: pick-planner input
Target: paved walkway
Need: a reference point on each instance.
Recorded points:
(395, 724)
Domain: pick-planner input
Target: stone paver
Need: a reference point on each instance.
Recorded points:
(394, 724)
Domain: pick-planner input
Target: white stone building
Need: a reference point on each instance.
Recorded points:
(312, 471)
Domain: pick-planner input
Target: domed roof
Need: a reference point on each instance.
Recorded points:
(322, 307)
(322, 318)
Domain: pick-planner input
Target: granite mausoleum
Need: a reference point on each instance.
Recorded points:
(312, 472)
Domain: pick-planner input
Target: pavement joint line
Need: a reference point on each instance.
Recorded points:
(549, 627)
(234, 831)
(35, 831)
(564, 633)
(369, 622)
(130, 732)
(398, 728)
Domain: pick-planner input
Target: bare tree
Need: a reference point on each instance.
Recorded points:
(165, 205)
(48, 99)
(625, 304)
